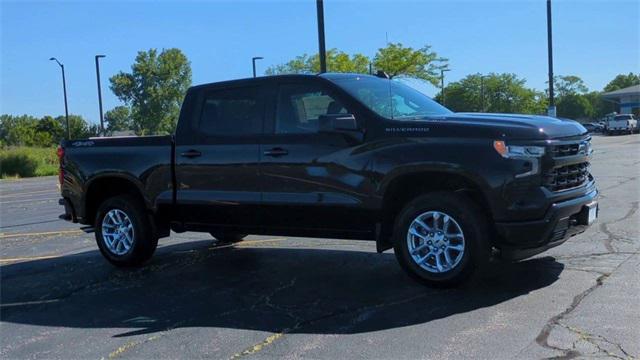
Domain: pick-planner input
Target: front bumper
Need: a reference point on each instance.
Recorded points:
(520, 240)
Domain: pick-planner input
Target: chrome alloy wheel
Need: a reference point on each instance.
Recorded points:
(117, 232)
(435, 242)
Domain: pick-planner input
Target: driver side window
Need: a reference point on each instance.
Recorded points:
(299, 107)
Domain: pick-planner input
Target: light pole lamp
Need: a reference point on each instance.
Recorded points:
(99, 93)
(64, 90)
(253, 61)
(442, 70)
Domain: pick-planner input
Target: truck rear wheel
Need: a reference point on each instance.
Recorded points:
(124, 231)
(440, 238)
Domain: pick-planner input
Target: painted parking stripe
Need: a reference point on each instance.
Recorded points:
(47, 233)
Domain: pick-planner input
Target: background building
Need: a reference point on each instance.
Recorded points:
(628, 99)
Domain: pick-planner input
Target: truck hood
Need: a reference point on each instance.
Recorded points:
(534, 127)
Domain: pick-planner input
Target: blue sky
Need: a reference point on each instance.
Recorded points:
(592, 39)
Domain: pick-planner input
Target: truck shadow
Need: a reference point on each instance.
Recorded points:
(272, 289)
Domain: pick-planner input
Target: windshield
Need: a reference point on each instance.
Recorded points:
(390, 99)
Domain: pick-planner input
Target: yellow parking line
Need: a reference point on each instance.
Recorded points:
(28, 200)
(27, 193)
(44, 257)
(28, 258)
(4, 236)
(249, 242)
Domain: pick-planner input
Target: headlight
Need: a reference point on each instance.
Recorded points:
(517, 151)
(531, 154)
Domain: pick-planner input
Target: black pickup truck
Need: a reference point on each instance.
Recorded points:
(342, 156)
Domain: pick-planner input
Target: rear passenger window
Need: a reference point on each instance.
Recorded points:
(232, 112)
(300, 106)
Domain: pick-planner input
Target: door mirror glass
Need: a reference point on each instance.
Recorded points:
(337, 123)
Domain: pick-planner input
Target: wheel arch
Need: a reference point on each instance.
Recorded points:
(105, 186)
(402, 188)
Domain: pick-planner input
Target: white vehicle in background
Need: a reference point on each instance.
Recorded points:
(622, 124)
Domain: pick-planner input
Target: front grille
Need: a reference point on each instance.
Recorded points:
(565, 150)
(566, 177)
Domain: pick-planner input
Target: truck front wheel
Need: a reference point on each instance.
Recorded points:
(440, 238)
(124, 231)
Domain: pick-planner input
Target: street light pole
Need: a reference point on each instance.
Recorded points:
(482, 92)
(442, 83)
(64, 89)
(253, 61)
(552, 102)
(322, 52)
(100, 93)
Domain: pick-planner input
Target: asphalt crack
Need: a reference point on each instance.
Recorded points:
(543, 337)
(611, 237)
(368, 309)
(597, 341)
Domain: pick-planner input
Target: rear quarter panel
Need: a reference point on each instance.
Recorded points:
(144, 161)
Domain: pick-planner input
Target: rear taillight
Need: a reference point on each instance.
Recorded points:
(60, 153)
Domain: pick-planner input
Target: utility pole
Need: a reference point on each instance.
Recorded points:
(442, 83)
(322, 52)
(253, 61)
(100, 93)
(482, 92)
(64, 89)
(552, 102)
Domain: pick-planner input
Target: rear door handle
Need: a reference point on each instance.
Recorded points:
(275, 152)
(191, 153)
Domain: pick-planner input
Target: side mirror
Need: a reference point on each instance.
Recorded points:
(345, 124)
(337, 123)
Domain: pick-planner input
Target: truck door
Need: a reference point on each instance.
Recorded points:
(217, 159)
(311, 180)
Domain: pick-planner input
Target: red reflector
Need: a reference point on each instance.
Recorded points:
(60, 153)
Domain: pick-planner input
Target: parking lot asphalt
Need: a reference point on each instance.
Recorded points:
(285, 297)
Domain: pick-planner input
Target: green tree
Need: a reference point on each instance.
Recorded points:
(397, 60)
(599, 105)
(337, 61)
(154, 89)
(569, 85)
(50, 131)
(574, 106)
(572, 99)
(503, 93)
(117, 119)
(18, 130)
(622, 81)
(79, 128)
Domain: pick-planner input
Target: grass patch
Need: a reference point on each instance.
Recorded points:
(28, 162)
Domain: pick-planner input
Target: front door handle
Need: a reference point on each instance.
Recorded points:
(191, 153)
(275, 152)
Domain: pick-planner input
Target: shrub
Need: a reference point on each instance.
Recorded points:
(28, 162)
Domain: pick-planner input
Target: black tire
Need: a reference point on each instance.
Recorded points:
(472, 223)
(228, 238)
(144, 240)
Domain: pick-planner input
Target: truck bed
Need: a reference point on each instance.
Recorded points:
(145, 161)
